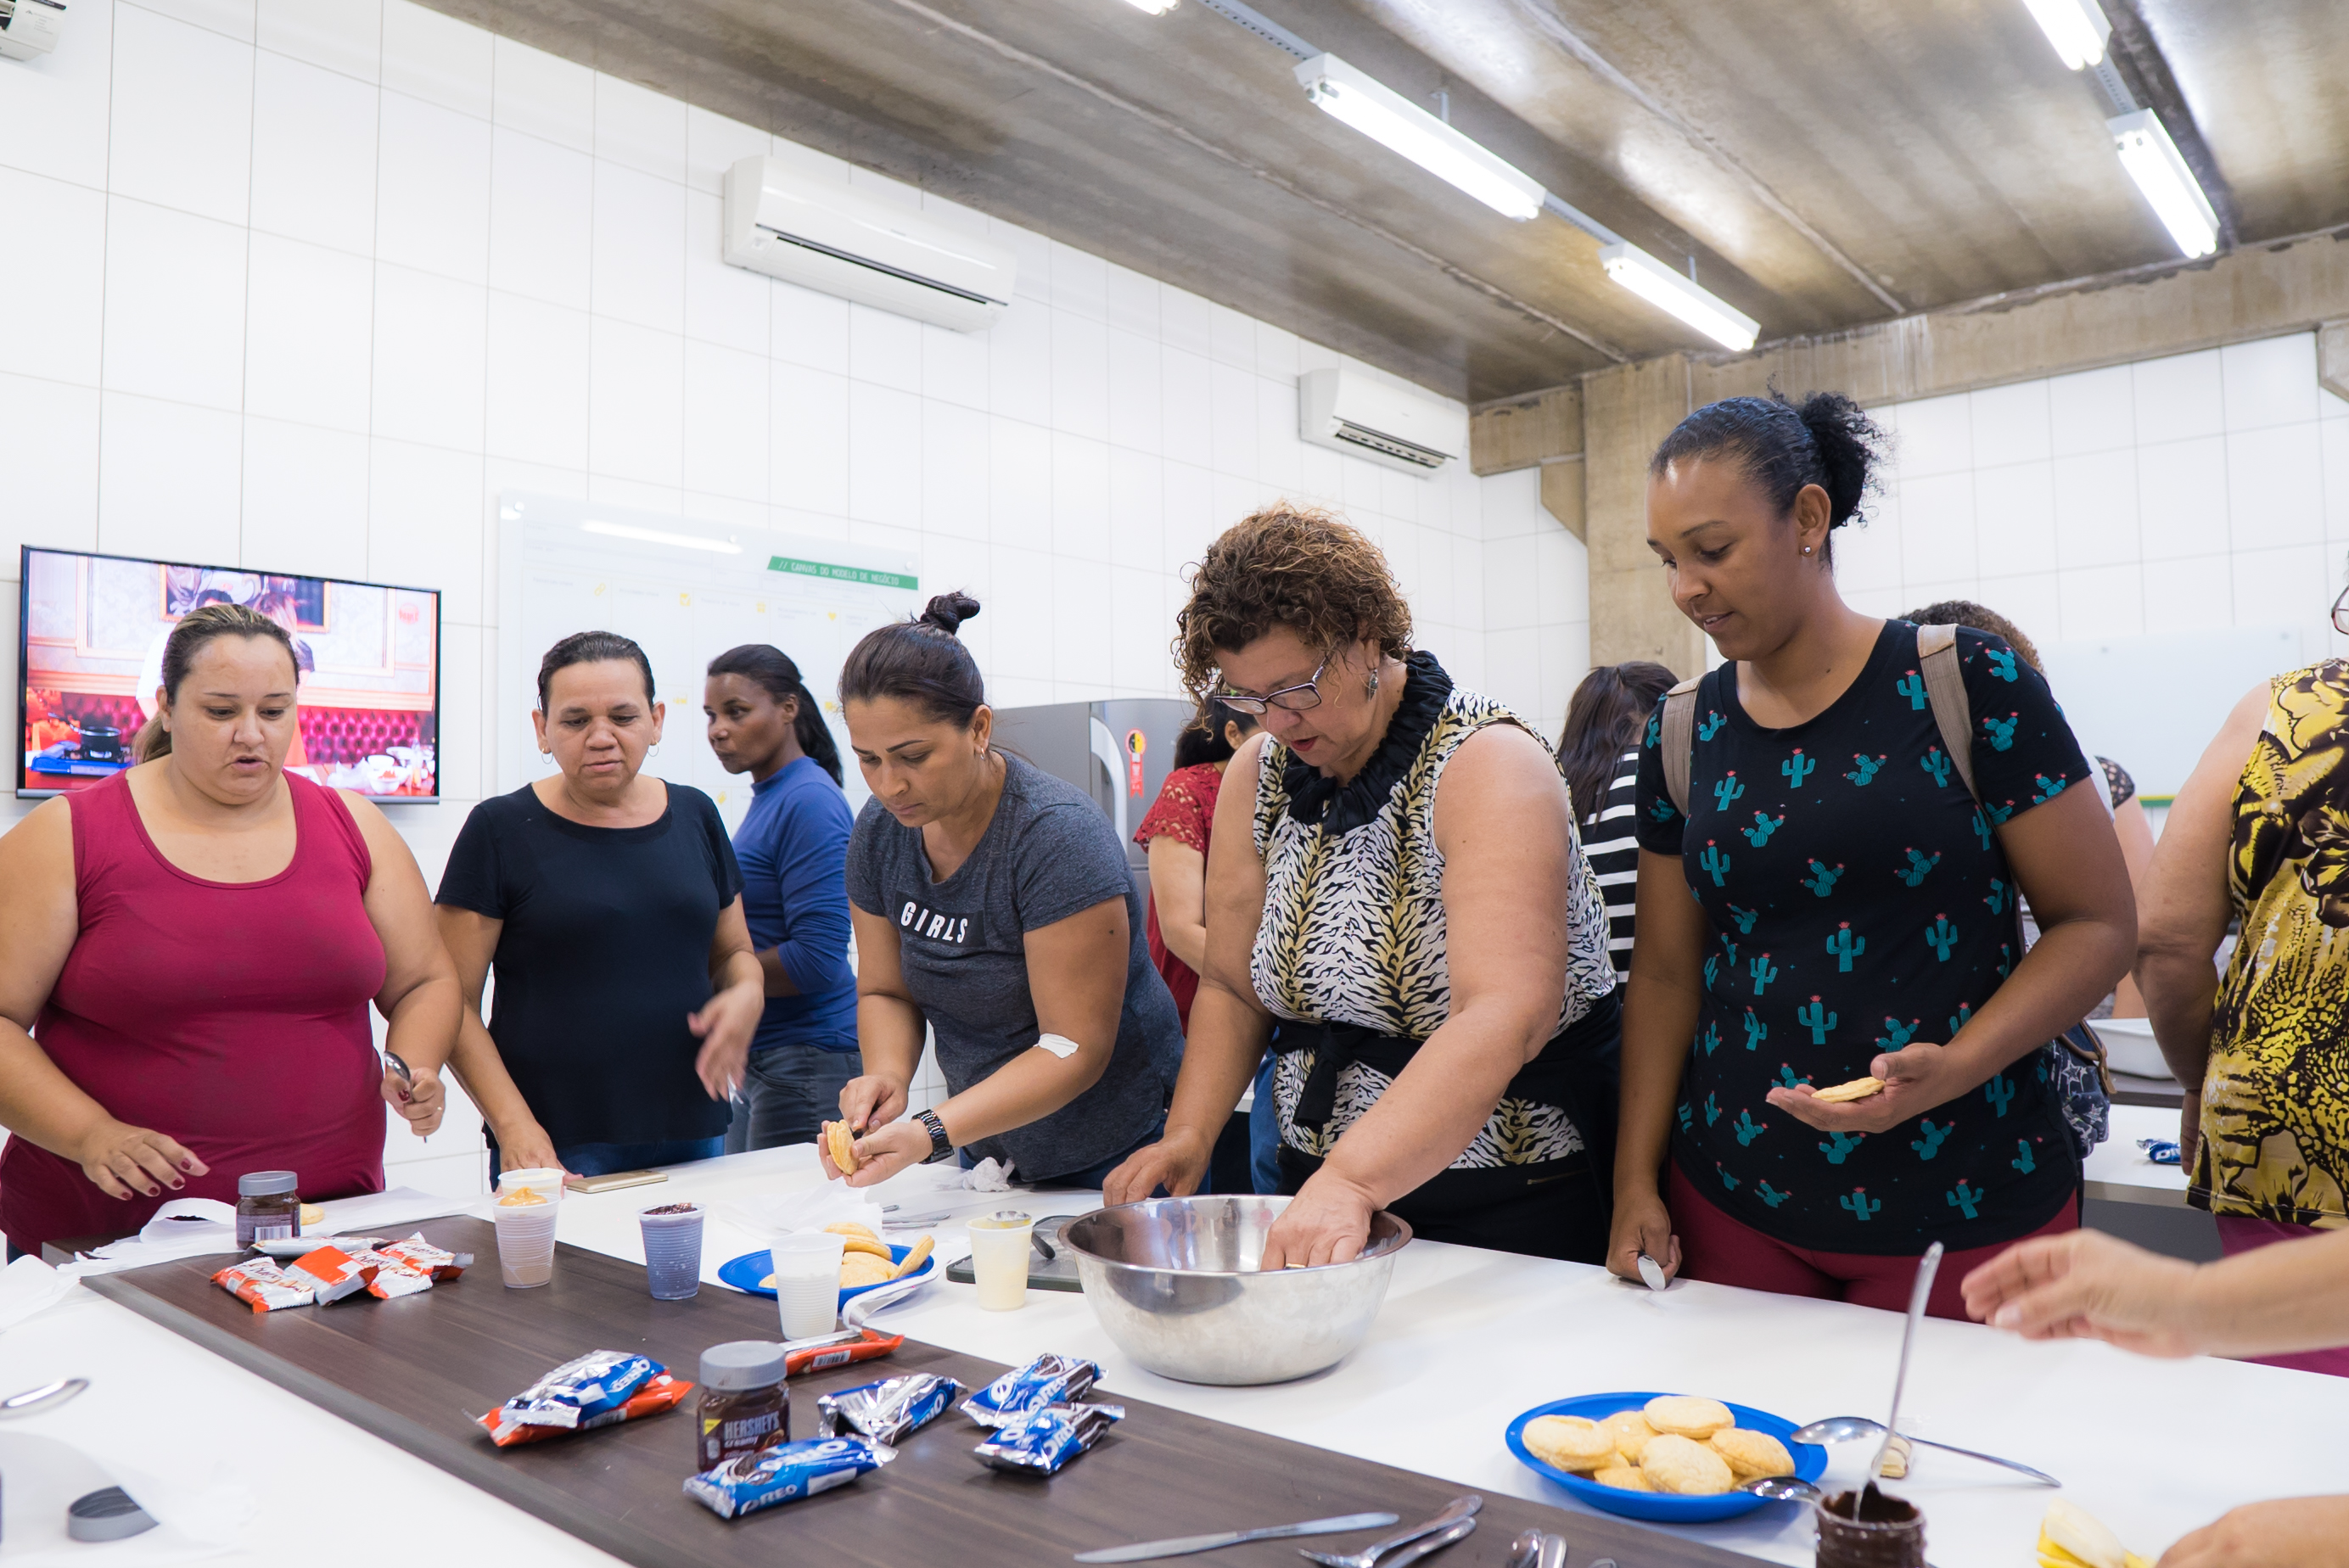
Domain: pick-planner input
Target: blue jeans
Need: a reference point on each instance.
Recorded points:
(788, 1092)
(1264, 1133)
(603, 1159)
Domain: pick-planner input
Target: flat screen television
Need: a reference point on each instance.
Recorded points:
(90, 634)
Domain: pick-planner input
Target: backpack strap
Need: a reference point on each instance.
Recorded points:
(1680, 740)
(1945, 689)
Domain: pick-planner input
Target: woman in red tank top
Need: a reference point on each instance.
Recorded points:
(187, 953)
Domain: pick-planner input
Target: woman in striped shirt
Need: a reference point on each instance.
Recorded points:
(1600, 754)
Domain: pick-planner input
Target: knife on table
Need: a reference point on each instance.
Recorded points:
(1183, 1545)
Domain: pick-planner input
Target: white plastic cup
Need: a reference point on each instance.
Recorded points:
(807, 1281)
(526, 1244)
(543, 1181)
(1000, 1245)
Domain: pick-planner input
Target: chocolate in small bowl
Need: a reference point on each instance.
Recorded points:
(1869, 1529)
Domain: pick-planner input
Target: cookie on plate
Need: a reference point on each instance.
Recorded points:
(1631, 1431)
(1752, 1454)
(1571, 1443)
(1623, 1478)
(859, 1269)
(1687, 1416)
(1679, 1465)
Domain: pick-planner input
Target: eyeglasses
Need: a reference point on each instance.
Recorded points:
(1293, 699)
(2340, 616)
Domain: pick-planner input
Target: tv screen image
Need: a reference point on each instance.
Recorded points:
(92, 630)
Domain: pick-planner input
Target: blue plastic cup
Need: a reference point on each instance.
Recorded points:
(672, 1234)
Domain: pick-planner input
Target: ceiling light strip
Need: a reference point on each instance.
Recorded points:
(1668, 291)
(2152, 161)
(1386, 117)
(2078, 29)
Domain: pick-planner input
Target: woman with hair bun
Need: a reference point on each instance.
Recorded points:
(991, 901)
(1852, 924)
(1467, 1084)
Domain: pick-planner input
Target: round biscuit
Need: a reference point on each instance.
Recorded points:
(860, 1269)
(1631, 1431)
(1623, 1478)
(1687, 1415)
(1751, 1453)
(851, 1228)
(1570, 1443)
(1681, 1466)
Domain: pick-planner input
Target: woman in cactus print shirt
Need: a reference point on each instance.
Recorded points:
(1855, 908)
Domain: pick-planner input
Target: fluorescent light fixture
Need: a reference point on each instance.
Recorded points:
(2077, 28)
(2152, 161)
(1155, 7)
(658, 536)
(1667, 290)
(1387, 117)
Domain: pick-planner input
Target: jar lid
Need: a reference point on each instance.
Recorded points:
(263, 1184)
(741, 1364)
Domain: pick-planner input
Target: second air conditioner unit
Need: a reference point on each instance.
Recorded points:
(838, 241)
(1351, 411)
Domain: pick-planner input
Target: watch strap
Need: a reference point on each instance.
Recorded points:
(941, 1146)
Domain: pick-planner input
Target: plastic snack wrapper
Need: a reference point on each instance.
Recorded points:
(584, 1386)
(888, 1411)
(263, 1286)
(785, 1473)
(392, 1277)
(333, 1273)
(422, 1256)
(1049, 1379)
(1042, 1442)
(872, 1347)
(658, 1393)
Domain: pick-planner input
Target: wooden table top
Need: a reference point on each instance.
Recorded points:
(416, 1371)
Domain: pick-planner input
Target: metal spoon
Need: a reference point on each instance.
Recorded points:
(1846, 1429)
(1926, 1267)
(34, 1400)
(1524, 1551)
(1782, 1489)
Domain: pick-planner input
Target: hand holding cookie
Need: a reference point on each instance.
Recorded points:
(1908, 1082)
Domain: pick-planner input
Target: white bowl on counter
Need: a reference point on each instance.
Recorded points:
(2130, 1048)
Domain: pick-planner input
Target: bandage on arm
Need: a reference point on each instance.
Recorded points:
(1059, 1046)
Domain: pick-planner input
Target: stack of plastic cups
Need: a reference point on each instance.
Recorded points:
(526, 1230)
(672, 1234)
(807, 1281)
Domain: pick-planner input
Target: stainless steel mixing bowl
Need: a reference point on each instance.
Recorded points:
(1177, 1282)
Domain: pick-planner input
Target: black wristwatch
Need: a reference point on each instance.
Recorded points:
(941, 1146)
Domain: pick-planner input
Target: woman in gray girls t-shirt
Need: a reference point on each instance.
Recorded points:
(992, 901)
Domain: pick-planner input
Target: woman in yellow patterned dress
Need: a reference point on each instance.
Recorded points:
(2259, 834)
(1467, 1084)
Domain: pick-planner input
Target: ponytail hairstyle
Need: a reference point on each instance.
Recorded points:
(590, 648)
(1204, 740)
(1823, 440)
(921, 662)
(196, 628)
(1602, 720)
(776, 675)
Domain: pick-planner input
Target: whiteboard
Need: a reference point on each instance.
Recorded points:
(2154, 704)
(687, 591)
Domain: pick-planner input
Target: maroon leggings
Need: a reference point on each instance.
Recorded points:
(1725, 1251)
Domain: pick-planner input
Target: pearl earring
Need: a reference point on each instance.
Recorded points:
(1807, 549)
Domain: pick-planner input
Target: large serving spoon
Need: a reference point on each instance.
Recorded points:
(48, 1396)
(1926, 1267)
(1783, 1489)
(1848, 1429)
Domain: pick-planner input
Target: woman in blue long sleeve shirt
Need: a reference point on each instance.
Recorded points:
(792, 846)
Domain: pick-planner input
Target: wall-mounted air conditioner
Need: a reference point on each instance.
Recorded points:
(1349, 411)
(838, 241)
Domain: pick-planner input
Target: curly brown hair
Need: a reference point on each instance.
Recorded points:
(1287, 565)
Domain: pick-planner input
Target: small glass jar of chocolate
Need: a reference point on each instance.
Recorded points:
(1869, 1529)
(745, 1404)
(267, 1206)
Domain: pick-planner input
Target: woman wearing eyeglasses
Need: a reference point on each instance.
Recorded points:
(2259, 834)
(1466, 1085)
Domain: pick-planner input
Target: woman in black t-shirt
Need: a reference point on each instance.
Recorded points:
(611, 905)
(1854, 908)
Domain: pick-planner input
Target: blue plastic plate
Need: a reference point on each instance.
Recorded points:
(1810, 1464)
(745, 1272)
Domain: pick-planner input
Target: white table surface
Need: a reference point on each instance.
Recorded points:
(1467, 1339)
(2117, 1169)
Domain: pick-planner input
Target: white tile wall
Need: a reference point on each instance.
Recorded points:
(2189, 494)
(330, 274)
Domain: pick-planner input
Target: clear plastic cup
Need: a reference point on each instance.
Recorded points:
(526, 1244)
(672, 1249)
(543, 1181)
(1000, 1244)
(807, 1281)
